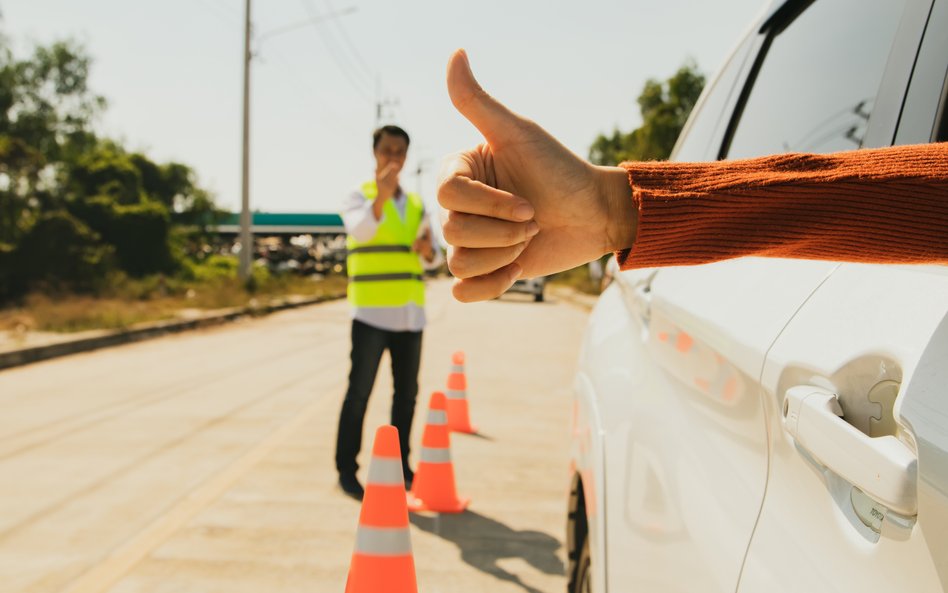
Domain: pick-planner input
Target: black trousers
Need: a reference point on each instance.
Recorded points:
(368, 344)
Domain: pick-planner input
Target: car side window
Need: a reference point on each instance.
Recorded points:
(695, 140)
(942, 134)
(815, 88)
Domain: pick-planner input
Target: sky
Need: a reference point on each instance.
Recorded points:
(171, 71)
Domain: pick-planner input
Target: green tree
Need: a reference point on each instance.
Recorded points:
(665, 107)
(46, 108)
(82, 202)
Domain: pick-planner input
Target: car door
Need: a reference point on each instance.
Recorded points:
(855, 503)
(843, 510)
(674, 373)
(683, 431)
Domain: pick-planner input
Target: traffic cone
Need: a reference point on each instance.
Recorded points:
(458, 418)
(382, 560)
(433, 489)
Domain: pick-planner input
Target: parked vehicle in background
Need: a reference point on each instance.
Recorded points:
(777, 425)
(534, 286)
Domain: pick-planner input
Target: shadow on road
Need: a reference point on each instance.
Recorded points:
(483, 541)
(476, 435)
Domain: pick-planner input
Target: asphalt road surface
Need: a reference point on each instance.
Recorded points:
(202, 462)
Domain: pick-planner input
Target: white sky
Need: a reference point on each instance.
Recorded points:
(171, 71)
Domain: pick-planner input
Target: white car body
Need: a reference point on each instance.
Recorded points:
(687, 476)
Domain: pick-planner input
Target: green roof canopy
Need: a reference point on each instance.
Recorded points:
(285, 223)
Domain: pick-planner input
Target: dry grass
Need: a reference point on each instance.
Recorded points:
(133, 302)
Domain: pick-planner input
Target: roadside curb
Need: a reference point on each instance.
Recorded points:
(107, 339)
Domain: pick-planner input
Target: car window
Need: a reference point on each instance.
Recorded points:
(942, 133)
(815, 89)
(697, 136)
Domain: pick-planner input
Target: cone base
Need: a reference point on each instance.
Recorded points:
(417, 505)
(464, 429)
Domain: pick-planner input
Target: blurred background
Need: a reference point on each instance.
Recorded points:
(202, 461)
(121, 129)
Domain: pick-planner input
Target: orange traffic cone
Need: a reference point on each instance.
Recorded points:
(433, 489)
(458, 419)
(382, 560)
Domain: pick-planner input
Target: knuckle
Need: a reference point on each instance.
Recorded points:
(455, 227)
(459, 268)
(444, 192)
(449, 189)
(449, 230)
(461, 292)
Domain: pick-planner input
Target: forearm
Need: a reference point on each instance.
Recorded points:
(880, 206)
(377, 206)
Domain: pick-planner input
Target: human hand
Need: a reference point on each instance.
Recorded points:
(386, 179)
(423, 247)
(522, 204)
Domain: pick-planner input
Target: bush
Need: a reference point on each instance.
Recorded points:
(60, 251)
(7, 281)
(214, 267)
(139, 232)
(140, 235)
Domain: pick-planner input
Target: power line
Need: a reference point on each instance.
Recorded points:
(348, 41)
(305, 92)
(219, 11)
(338, 50)
(337, 58)
(227, 8)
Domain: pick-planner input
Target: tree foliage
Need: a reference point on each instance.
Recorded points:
(665, 107)
(75, 206)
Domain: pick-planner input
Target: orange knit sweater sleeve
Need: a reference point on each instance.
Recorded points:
(886, 205)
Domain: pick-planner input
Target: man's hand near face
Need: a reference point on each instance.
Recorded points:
(386, 178)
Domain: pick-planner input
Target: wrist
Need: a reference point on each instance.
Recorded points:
(621, 214)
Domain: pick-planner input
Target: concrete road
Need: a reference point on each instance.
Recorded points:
(203, 462)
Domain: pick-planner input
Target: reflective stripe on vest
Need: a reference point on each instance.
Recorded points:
(384, 272)
(383, 541)
(384, 277)
(381, 249)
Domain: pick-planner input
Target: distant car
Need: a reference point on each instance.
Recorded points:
(534, 286)
(771, 424)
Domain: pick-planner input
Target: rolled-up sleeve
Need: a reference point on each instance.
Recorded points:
(358, 218)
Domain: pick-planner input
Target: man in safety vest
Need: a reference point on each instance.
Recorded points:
(389, 246)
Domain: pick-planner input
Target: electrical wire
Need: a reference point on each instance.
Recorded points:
(329, 42)
(348, 41)
(220, 11)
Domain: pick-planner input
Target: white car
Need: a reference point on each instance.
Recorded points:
(767, 425)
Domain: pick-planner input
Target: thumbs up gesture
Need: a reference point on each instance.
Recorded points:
(521, 204)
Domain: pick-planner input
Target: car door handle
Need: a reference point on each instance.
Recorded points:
(884, 468)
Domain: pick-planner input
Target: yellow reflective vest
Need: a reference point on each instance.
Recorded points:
(384, 271)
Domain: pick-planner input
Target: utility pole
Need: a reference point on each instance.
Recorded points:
(380, 103)
(246, 238)
(418, 172)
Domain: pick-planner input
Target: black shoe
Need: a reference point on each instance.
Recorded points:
(409, 477)
(351, 486)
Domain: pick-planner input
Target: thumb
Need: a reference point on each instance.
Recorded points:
(488, 115)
